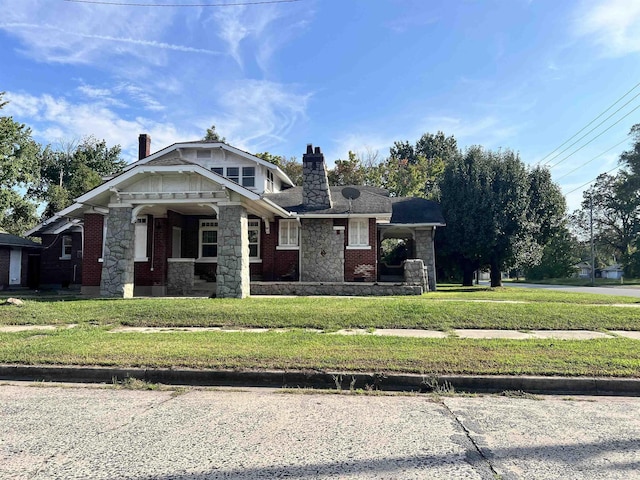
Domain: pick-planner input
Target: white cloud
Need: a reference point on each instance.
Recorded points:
(53, 119)
(614, 25)
(258, 114)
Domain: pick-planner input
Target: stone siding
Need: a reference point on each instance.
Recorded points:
(322, 251)
(118, 266)
(232, 274)
(343, 289)
(415, 273)
(315, 183)
(425, 252)
(180, 276)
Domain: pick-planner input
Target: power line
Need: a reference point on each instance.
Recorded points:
(626, 139)
(592, 180)
(587, 125)
(137, 4)
(557, 155)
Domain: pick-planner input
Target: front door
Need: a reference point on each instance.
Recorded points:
(15, 266)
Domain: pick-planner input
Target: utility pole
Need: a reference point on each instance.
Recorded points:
(593, 261)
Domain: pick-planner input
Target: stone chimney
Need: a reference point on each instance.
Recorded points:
(144, 146)
(315, 184)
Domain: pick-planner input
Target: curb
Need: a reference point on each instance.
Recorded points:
(329, 380)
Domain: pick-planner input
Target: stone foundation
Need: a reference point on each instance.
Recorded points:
(180, 276)
(331, 288)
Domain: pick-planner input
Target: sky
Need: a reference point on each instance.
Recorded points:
(357, 75)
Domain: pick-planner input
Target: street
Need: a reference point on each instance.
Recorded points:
(625, 291)
(87, 432)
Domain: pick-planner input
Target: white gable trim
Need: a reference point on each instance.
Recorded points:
(204, 145)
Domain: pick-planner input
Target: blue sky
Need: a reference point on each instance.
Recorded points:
(341, 74)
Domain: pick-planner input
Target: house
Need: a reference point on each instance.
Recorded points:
(615, 271)
(19, 260)
(205, 215)
(582, 270)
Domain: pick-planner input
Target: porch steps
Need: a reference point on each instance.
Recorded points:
(203, 288)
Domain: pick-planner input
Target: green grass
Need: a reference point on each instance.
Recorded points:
(581, 282)
(443, 310)
(299, 350)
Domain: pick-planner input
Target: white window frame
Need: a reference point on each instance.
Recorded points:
(233, 178)
(288, 234)
(247, 177)
(270, 181)
(254, 225)
(140, 242)
(207, 225)
(67, 243)
(359, 233)
(218, 170)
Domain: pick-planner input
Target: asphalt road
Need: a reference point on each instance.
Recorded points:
(48, 432)
(630, 291)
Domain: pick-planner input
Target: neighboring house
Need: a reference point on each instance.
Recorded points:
(19, 261)
(582, 269)
(615, 271)
(201, 212)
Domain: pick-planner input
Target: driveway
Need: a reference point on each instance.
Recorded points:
(48, 432)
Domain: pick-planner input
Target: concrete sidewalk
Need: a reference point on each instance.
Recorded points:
(385, 332)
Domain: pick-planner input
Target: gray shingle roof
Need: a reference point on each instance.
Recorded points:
(372, 200)
(8, 240)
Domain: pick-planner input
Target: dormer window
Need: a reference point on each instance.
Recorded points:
(218, 170)
(233, 174)
(249, 177)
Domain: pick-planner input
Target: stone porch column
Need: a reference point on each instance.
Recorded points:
(119, 247)
(232, 274)
(426, 252)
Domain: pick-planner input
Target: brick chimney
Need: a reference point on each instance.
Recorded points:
(315, 184)
(144, 146)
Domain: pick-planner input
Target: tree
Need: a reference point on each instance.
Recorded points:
(560, 253)
(19, 155)
(76, 168)
(348, 172)
(416, 170)
(213, 136)
(485, 202)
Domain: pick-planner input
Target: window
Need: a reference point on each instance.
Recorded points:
(218, 170)
(254, 238)
(66, 247)
(269, 181)
(248, 177)
(288, 233)
(141, 239)
(233, 174)
(359, 232)
(208, 238)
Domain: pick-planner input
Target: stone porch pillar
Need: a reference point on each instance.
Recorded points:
(232, 274)
(426, 252)
(119, 247)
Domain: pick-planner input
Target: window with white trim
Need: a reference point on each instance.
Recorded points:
(249, 177)
(288, 233)
(254, 238)
(358, 232)
(233, 174)
(208, 239)
(218, 170)
(67, 243)
(140, 252)
(269, 181)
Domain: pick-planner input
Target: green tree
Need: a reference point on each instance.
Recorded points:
(348, 172)
(486, 204)
(560, 253)
(416, 170)
(213, 136)
(19, 156)
(74, 169)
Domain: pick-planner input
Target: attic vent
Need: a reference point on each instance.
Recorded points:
(203, 154)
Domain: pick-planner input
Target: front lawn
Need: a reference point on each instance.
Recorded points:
(521, 309)
(300, 350)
